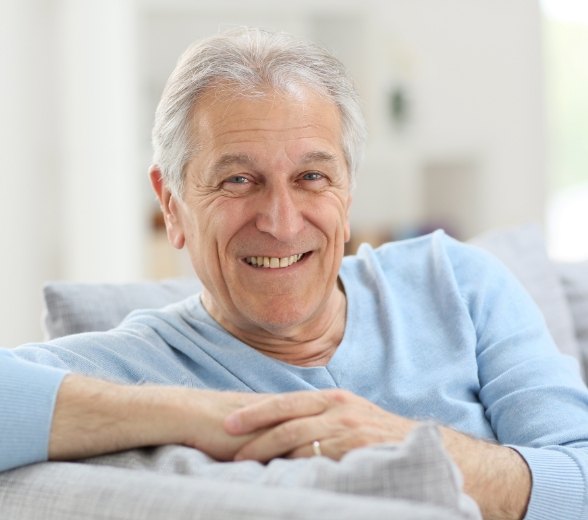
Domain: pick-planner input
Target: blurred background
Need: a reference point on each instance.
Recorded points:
(478, 118)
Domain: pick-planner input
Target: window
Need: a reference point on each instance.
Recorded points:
(566, 49)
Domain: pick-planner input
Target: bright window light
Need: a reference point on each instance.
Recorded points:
(566, 48)
(574, 11)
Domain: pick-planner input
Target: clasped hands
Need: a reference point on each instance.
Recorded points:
(286, 425)
(266, 426)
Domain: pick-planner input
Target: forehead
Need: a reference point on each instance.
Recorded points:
(224, 118)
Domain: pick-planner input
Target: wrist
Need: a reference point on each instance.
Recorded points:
(496, 477)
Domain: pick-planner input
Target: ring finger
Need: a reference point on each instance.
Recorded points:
(285, 440)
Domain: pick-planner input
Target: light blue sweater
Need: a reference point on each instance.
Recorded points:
(435, 330)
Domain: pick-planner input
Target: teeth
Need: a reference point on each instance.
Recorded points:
(273, 262)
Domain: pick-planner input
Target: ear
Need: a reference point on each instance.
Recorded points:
(169, 208)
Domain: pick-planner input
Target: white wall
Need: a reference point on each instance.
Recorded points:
(72, 203)
(29, 129)
(474, 73)
(104, 221)
(81, 80)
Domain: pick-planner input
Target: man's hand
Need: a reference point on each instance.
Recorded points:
(287, 424)
(93, 417)
(340, 420)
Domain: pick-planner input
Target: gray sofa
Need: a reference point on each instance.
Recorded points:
(412, 480)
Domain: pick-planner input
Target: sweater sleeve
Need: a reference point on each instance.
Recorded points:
(559, 482)
(533, 396)
(29, 392)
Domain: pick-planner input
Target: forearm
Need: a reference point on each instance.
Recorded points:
(94, 417)
(497, 477)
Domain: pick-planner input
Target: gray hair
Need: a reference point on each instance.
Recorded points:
(250, 59)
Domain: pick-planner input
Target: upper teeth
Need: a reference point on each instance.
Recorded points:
(273, 262)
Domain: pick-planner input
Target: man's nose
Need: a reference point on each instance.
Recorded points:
(279, 213)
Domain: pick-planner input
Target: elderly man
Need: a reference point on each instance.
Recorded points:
(292, 349)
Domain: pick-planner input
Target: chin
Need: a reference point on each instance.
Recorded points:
(279, 322)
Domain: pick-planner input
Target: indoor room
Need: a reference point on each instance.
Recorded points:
(477, 116)
(310, 259)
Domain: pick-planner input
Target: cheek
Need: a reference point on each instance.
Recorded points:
(333, 218)
(210, 236)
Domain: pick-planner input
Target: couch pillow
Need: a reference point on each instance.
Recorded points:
(72, 307)
(417, 469)
(574, 279)
(522, 250)
(413, 480)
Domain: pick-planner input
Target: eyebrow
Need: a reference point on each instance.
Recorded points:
(318, 156)
(230, 159)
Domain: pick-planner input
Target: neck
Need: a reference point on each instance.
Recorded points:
(306, 345)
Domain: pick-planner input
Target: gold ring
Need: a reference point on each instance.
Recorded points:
(316, 448)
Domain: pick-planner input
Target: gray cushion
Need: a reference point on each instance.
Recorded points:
(411, 480)
(574, 278)
(417, 469)
(71, 307)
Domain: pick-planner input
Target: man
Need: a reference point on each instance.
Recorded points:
(257, 139)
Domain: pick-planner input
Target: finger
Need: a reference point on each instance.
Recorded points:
(332, 447)
(274, 410)
(316, 448)
(343, 441)
(284, 439)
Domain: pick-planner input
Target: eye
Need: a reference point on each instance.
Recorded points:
(238, 184)
(312, 176)
(313, 181)
(237, 179)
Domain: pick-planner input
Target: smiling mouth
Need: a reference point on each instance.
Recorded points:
(273, 262)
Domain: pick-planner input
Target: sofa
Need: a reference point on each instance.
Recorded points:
(412, 480)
